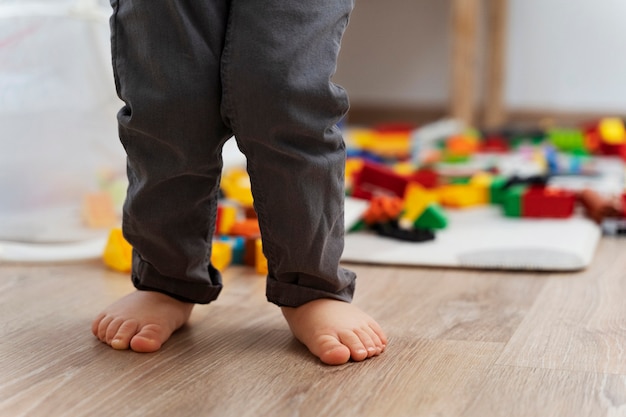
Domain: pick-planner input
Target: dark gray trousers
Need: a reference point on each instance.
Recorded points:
(192, 73)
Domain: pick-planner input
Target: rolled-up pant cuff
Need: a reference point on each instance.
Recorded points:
(146, 278)
(292, 295)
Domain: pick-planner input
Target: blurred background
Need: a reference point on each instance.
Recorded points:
(416, 61)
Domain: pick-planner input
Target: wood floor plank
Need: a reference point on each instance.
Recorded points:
(449, 304)
(578, 322)
(521, 392)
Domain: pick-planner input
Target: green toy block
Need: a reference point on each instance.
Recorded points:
(496, 190)
(568, 140)
(358, 226)
(512, 201)
(433, 217)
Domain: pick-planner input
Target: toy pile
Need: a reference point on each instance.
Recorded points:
(412, 176)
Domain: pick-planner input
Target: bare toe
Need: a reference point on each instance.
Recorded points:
(149, 338)
(142, 321)
(125, 332)
(335, 331)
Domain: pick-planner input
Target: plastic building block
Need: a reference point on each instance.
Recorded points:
(226, 218)
(246, 228)
(494, 144)
(377, 179)
(599, 207)
(260, 262)
(481, 181)
(221, 254)
(568, 140)
(118, 253)
(99, 211)
(497, 189)
(237, 246)
(612, 130)
(386, 143)
(236, 186)
(433, 217)
(461, 145)
(416, 199)
(547, 202)
(383, 209)
(461, 195)
(392, 230)
(512, 200)
(426, 177)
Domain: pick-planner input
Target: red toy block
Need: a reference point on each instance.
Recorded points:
(399, 127)
(494, 144)
(425, 177)
(376, 180)
(548, 202)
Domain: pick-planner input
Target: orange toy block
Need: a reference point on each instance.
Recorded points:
(98, 211)
(382, 209)
(246, 228)
(462, 145)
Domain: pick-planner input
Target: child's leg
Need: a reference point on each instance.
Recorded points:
(166, 57)
(278, 60)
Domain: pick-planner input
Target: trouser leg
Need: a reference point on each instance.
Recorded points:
(166, 57)
(278, 60)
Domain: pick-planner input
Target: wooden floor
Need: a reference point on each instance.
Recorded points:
(461, 344)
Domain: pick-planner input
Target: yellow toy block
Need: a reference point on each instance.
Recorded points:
(386, 144)
(118, 253)
(416, 199)
(353, 166)
(612, 130)
(461, 195)
(481, 181)
(221, 254)
(226, 218)
(260, 260)
(236, 186)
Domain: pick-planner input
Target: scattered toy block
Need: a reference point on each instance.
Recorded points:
(461, 195)
(118, 253)
(246, 228)
(392, 230)
(99, 211)
(382, 209)
(226, 218)
(497, 189)
(260, 261)
(416, 199)
(377, 179)
(512, 200)
(426, 177)
(235, 185)
(433, 217)
(612, 130)
(545, 202)
(221, 254)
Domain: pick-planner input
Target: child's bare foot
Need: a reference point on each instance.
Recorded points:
(336, 331)
(141, 321)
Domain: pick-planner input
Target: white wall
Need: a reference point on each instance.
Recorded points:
(562, 55)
